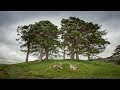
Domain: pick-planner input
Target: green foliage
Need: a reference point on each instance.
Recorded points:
(25, 38)
(71, 34)
(77, 38)
(117, 51)
(81, 37)
(94, 41)
(46, 35)
(39, 38)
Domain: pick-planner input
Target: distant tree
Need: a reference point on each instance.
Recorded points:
(25, 38)
(117, 51)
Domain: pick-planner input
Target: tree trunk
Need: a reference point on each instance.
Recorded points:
(77, 55)
(47, 55)
(64, 53)
(89, 57)
(72, 53)
(40, 54)
(88, 52)
(28, 51)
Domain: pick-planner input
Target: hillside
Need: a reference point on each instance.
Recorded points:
(44, 70)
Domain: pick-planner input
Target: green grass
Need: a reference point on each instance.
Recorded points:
(42, 70)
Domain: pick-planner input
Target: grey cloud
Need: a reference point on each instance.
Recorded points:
(8, 17)
(14, 16)
(9, 20)
(111, 15)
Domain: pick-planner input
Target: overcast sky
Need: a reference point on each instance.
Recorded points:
(10, 20)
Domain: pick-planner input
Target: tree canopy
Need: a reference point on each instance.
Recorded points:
(117, 51)
(75, 37)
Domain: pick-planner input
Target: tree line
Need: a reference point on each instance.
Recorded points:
(75, 37)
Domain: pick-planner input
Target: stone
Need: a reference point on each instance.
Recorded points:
(72, 67)
(57, 66)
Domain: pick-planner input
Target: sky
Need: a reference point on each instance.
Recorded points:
(10, 20)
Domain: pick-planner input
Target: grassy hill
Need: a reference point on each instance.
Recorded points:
(44, 70)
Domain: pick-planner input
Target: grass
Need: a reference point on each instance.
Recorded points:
(43, 70)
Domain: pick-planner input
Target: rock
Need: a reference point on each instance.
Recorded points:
(72, 67)
(57, 66)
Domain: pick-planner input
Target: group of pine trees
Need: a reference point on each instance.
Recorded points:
(75, 37)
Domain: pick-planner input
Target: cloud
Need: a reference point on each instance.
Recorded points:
(10, 20)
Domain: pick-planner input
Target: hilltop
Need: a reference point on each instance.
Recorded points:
(44, 70)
